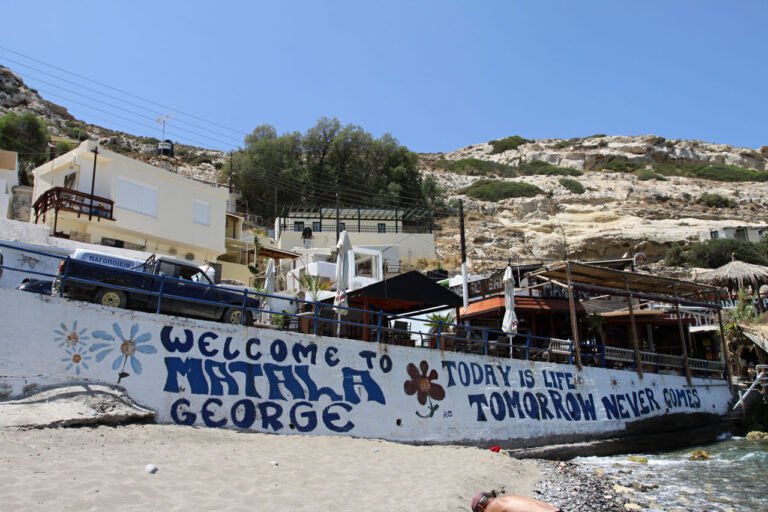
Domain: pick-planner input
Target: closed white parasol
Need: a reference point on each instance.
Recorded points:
(269, 289)
(509, 324)
(342, 275)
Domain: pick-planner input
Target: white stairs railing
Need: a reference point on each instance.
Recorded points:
(761, 379)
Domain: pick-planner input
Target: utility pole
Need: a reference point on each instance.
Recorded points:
(163, 119)
(464, 284)
(338, 223)
(275, 201)
(93, 180)
(231, 170)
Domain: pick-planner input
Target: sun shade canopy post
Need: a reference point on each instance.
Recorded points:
(574, 323)
(724, 343)
(681, 330)
(635, 342)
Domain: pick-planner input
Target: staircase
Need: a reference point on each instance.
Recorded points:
(760, 385)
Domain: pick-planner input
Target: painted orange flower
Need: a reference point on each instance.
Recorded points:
(421, 385)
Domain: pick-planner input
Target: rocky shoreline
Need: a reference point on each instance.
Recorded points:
(571, 487)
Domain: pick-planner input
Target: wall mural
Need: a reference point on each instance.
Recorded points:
(421, 384)
(199, 373)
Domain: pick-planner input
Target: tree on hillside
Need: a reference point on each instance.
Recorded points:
(306, 168)
(716, 253)
(26, 135)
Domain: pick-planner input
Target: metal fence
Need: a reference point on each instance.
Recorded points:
(324, 319)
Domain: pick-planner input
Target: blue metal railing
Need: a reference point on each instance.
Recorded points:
(324, 319)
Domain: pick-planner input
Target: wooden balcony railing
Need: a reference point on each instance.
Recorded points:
(65, 199)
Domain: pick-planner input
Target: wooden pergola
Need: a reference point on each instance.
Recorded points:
(572, 275)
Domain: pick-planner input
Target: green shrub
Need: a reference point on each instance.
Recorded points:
(151, 141)
(198, 159)
(674, 256)
(715, 172)
(575, 140)
(546, 169)
(716, 201)
(567, 143)
(622, 165)
(572, 185)
(721, 172)
(476, 167)
(716, 253)
(63, 147)
(493, 190)
(74, 132)
(502, 145)
(648, 174)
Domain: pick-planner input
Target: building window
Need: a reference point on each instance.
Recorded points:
(382, 227)
(136, 197)
(317, 226)
(298, 226)
(741, 234)
(714, 235)
(342, 226)
(70, 180)
(201, 213)
(111, 242)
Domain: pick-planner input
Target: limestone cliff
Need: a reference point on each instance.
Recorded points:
(618, 214)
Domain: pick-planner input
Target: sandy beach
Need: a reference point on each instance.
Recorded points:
(104, 468)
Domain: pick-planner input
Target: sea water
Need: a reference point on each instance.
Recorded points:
(734, 478)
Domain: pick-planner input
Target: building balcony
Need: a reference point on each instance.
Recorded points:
(64, 199)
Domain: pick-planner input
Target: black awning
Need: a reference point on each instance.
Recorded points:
(405, 293)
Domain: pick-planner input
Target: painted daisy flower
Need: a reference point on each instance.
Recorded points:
(70, 337)
(127, 348)
(76, 359)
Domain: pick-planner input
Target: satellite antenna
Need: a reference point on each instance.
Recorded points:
(163, 119)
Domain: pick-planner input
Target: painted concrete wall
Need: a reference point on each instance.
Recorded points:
(208, 374)
(172, 224)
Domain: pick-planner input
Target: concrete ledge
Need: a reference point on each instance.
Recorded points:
(75, 405)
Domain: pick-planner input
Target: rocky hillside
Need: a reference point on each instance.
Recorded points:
(617, 214)
(16, 96)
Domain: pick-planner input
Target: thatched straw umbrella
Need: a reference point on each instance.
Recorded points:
(736, 272)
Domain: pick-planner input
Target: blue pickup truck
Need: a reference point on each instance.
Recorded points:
(182, 289)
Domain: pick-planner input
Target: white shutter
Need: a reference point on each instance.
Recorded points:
(201, 213)
(136, 197)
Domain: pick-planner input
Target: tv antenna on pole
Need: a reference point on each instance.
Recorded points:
(163, 119)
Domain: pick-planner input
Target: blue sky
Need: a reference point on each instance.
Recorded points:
(437, 75)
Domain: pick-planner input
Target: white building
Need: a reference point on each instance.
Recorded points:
(745, 233)
(94, 195)
(9, 177)
(315, 228)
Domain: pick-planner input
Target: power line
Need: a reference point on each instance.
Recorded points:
(328, 192)
(311, 190)
(165, 107)
(138, 123)
(116, 107)
(154, 112)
